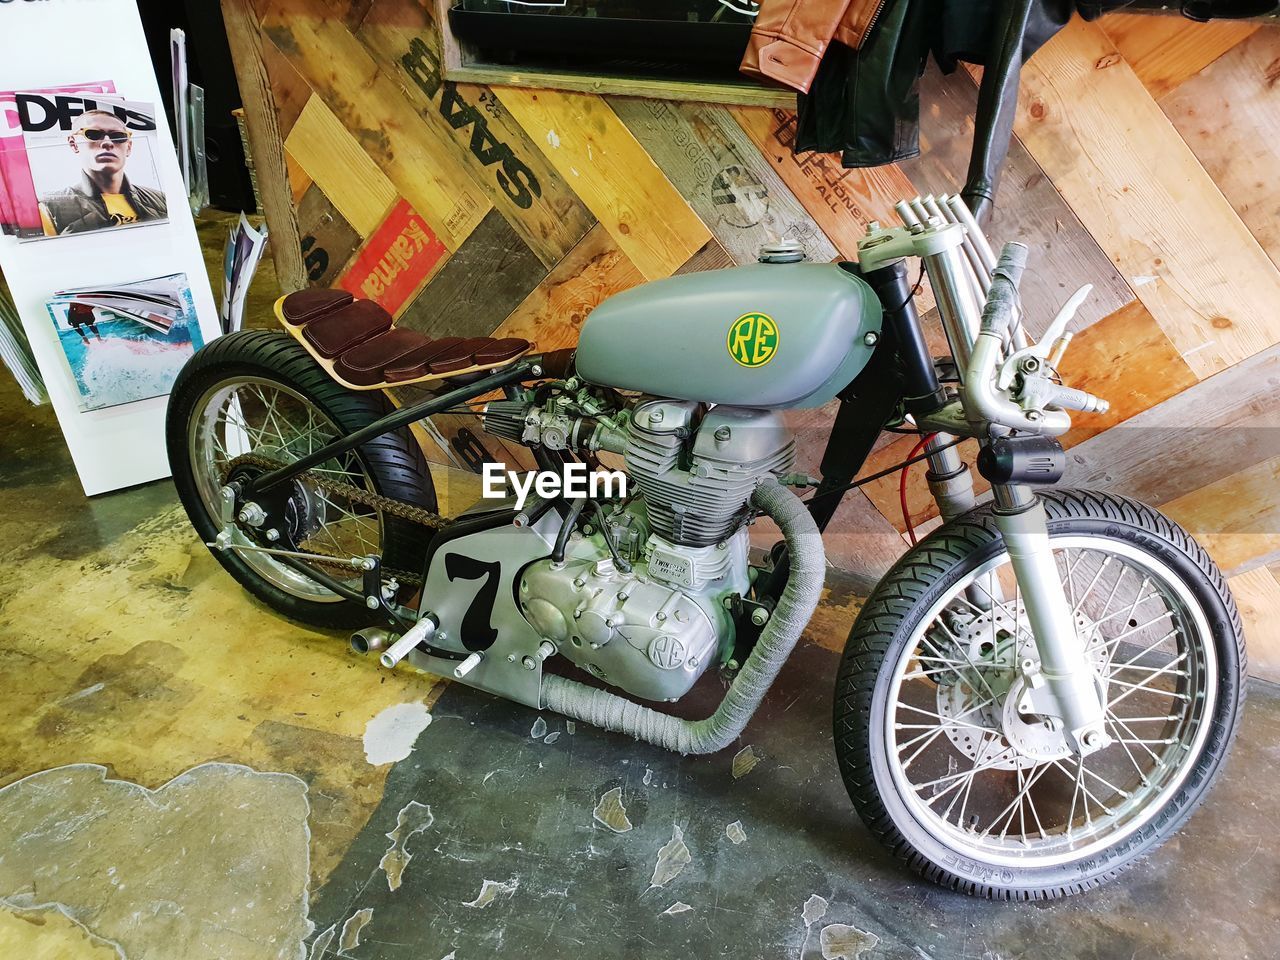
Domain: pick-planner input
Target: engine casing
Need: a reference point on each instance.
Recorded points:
(652, 631)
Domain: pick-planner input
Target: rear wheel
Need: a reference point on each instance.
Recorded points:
(254, 397)
(939, 750)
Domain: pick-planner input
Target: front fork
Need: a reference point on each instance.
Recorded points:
(962, 272)
(1064, 684)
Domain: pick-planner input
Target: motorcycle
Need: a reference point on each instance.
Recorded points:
(1032, 698)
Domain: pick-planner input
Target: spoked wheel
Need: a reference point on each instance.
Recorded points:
(939, 743)
(253, 400)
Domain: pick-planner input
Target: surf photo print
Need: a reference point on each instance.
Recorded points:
(126, 342)
(93, 163)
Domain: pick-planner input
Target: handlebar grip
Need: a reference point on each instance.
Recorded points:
(1002, 295)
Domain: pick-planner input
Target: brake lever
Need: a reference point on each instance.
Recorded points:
(1051, 346)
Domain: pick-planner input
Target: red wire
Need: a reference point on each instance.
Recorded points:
(902, 487)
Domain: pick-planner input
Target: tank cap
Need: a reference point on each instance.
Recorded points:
(782, 251)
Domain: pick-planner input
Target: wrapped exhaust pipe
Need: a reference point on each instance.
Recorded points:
(799, 599)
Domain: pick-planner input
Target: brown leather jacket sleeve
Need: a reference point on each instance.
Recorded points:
(790, 37)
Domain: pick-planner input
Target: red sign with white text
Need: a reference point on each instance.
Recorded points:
(395, 262)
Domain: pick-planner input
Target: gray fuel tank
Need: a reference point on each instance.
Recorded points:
(763, 335)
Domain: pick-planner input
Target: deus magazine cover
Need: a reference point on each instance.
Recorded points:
(92, 163)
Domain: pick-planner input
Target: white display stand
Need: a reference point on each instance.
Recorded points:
(46, 45)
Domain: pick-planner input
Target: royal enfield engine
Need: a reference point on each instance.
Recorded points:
(651, 631)
(652, 624)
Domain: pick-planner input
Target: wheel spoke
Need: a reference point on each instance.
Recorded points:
(244, 416)
(1023, 787)
(1135, 687)
(1092, 583)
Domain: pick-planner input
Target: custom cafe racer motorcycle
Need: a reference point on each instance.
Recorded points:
(1034, 696)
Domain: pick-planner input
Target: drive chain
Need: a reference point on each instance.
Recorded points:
(352, 494)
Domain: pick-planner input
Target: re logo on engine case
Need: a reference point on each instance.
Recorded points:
(753, 339)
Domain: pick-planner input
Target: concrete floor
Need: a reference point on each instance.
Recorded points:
(235, 813)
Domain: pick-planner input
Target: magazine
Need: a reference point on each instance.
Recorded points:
(15, 350)
(126, 342)
(93, 163)
(239, 264)
(18, 202)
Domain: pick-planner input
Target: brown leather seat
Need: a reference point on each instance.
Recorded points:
(305, 305)
(336, 332)
(357, 342)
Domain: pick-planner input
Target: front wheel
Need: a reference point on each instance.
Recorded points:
(979, 796)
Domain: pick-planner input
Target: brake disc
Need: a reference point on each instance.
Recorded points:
(979, 707)
(971, 705)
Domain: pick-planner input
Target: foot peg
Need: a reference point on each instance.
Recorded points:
(419, 633)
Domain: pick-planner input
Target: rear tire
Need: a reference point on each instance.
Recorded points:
(883, 696)
(391, 465)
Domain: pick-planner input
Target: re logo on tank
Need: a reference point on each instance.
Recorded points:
(753, 339)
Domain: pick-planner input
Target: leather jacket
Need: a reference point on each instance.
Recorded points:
(857, 65)
(80, 208)
(790, 37)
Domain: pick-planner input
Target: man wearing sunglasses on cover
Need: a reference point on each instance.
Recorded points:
(103, 197)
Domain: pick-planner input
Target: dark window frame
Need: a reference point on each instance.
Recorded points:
(465, 64)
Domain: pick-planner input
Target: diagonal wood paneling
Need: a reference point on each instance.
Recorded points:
(339, 166)
(1230, 117)
(842, 202)
(1138, 188)
(517, 178)
(731, 188)
(489, 275)
(328, 241)
(1257, 594)
(1165, 51)
(1237, 518)
(375, 111)
(552, 315)
(1220, 426)
(617, 180)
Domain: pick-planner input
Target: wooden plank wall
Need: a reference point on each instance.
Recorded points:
(1143, 163)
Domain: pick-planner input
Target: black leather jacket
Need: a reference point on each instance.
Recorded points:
(80, 208)
(865, 105)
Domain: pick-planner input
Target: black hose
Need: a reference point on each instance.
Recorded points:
(570, 521)
(608, 539)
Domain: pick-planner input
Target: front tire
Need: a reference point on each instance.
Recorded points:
(944, 767)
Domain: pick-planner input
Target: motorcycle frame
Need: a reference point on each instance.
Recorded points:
(900, 376)
(899, 373)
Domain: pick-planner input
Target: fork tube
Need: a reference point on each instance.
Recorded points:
(1020, 517)
(957, 304)
(949, 478)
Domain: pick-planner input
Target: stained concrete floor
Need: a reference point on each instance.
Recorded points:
(234, 812)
